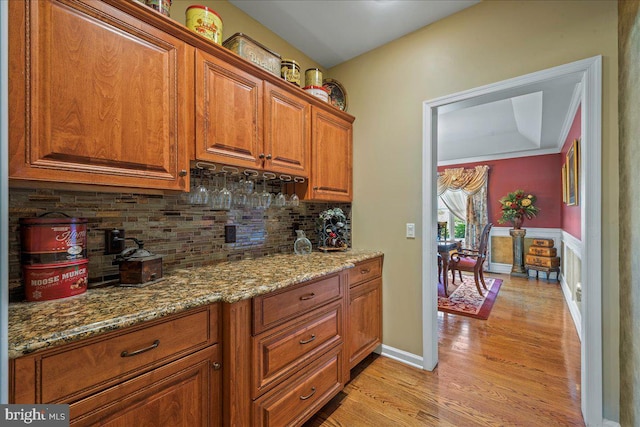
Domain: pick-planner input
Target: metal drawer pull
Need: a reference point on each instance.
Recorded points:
(308, 296)
(216, 366)
(365, 271)
(313, 391)
(142, 350)
(313, 337)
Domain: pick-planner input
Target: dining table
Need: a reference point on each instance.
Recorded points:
(444, 250)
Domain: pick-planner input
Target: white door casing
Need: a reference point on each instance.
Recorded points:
(590, 206)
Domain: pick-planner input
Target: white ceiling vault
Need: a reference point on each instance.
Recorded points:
(333, 31)
(533, 121)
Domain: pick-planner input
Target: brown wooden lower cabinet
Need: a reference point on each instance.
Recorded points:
(165, 372)
(365, 310)
(292, 344)
(365, 320)
(273, 361)
(183, 393)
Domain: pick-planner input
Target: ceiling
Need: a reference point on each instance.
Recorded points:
(532, 121)
(528, 121)
(332, 32)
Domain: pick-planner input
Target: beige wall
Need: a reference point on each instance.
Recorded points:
(486, 43)
(629, 34)
(236, 21)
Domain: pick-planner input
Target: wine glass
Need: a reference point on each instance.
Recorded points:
(201, 195)
(266, 198)
(214, 194)
(281, 199)
(225, 195)
(239, 195)
(294, 200)
(255, 196)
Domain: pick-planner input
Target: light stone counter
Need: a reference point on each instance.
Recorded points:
(35, 326)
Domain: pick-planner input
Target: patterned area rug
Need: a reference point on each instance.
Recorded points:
(466, 301)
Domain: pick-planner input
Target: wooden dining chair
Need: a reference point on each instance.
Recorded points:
(472, 260)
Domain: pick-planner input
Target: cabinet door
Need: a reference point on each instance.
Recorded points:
(331, 171)
(287, 132)
(94, 97)
(186, 392)
(365, 320)
(228, 113)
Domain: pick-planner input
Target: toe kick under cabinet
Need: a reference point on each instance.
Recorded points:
(162, 372)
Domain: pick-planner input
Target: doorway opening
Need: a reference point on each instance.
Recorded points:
(589, 73)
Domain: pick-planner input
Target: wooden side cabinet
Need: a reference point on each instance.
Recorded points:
(331, 150)
(97, 96)
(365, 310)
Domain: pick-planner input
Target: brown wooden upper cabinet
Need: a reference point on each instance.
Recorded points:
(331, 169)
(287, 131)
(112, 93)
(228, 113)
(97, 96)
(244, 121)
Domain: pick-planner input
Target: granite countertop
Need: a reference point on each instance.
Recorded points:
(35, 326)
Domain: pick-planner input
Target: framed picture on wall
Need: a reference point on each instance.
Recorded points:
(564, 183)
(573, 173)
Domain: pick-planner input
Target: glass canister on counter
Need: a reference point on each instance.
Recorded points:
(162, 6)
(290, 71)
(204, 21)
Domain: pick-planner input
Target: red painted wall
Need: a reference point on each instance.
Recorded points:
(571, 216)
(539, 175)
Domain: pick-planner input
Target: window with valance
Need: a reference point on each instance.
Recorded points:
(464, 192)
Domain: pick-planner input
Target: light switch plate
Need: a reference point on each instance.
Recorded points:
(411, 230)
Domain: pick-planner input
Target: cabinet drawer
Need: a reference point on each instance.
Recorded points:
(293, 403)
(365, 270)
(120, 356)
(280, 352)
(277, 307)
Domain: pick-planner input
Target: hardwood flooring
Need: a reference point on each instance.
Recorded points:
(521, 367)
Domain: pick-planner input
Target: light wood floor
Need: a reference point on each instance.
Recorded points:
(521, 367)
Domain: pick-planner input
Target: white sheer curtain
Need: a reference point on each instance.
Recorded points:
(456, 202)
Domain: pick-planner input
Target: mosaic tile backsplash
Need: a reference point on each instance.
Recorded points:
(186, 235)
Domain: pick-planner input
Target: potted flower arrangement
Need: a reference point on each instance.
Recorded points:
(517, 206)
(332, 230)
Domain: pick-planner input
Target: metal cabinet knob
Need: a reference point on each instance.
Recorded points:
(261, 156)
(183, 172)
(268, 156)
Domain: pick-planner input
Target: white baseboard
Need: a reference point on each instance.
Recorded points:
(496, 267)
(609, 423)
(572, 305)
(402, 356)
